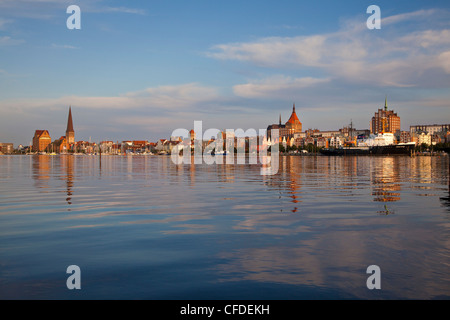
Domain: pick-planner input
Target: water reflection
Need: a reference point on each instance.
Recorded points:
(41, 170)
(331, 228)
(66, 164)
(44, 168)
(446, 199)
(385, 180)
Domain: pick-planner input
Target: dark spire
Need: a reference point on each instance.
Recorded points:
(293, 109)
(385, 103)
(280, 119)
(69, 121)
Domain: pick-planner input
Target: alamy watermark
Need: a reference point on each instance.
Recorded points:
(73, 281)
(374, 21)
(373, 281)
(216, 147)
(73, 21)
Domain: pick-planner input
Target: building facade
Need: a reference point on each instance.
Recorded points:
(41, 140)
(431, 129)
(385, 120)
(6, 148)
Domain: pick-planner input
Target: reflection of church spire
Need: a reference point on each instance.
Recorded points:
(68, 167)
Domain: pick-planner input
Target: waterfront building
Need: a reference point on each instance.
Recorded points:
(422, 137)
(431, 129)
(61, 145)
(405, 136)
(41, 140)
(385, 120)
(106, 146)
(335, 142)
(287, 130)
(6, 148)
(322, 142)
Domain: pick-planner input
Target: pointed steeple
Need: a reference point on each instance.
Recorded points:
(70, 133)
(280, 120)
(385, 103)
(293, 109)
(69, 121)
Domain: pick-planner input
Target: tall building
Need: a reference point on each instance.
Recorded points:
(41, 140)
(70, 133)
(385, 120)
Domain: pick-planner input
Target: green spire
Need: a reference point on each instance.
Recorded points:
(385, 103)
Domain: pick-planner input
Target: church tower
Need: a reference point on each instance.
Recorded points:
(70, 134)
(293, 124)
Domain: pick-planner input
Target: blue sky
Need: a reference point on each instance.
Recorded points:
(141, 69)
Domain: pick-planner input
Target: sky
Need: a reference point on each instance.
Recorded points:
(138, 70)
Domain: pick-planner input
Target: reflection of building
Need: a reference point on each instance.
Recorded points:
(385, 120)
(41, 168)
(66, 163)
(41, 140)
(385, 180)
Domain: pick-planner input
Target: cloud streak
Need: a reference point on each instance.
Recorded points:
(276, 86)
(355, 55)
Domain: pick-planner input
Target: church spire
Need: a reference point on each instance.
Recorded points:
(293, 109)
(69, 121)
(280, 119)
(385, 103)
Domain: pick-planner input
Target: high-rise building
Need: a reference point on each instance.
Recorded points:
(385, 120)
(70, 133)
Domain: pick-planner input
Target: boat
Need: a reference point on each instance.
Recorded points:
(379, 144)
(345, 151)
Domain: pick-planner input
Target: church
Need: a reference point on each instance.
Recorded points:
(66, 143)
(287, 130)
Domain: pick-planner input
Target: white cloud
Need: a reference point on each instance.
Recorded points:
(8, 41)
(63, 46)
(4, 22)
(444, 61)
(176, 97)
(415, 15)
(125, 10)
(355, 54)
(275, 87)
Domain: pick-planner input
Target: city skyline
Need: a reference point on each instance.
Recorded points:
(140, 70)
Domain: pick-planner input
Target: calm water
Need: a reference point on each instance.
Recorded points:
(143, 228)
